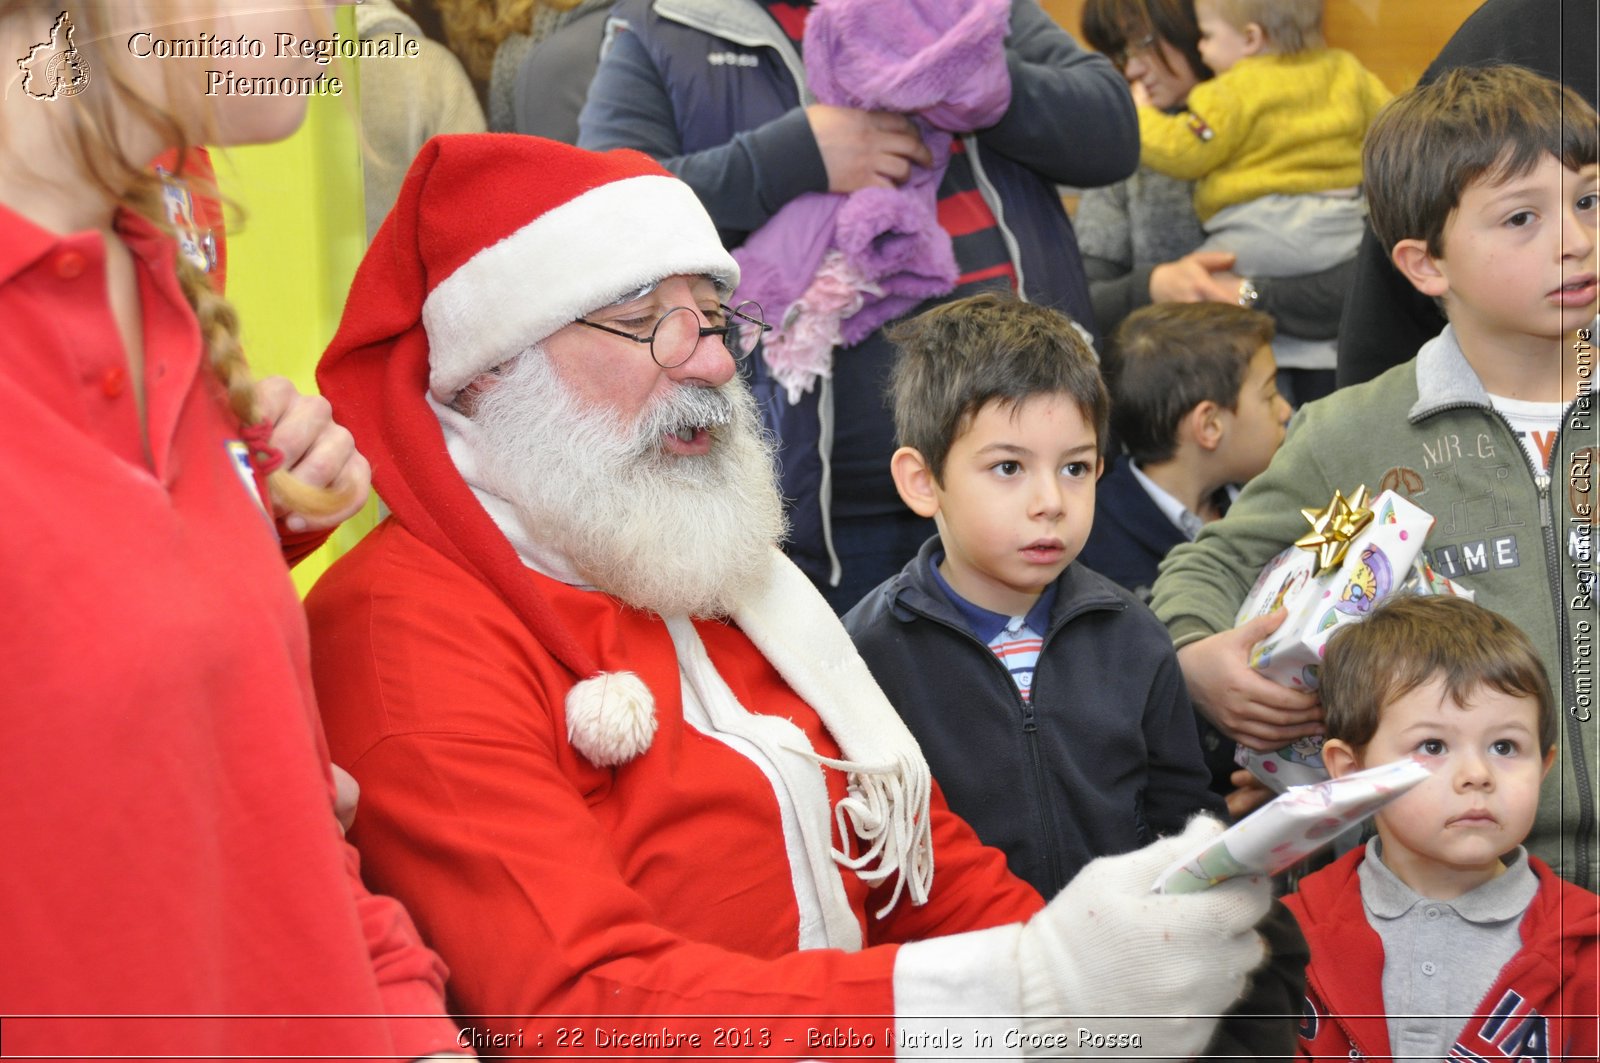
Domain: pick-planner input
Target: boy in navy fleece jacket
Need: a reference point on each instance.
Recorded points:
(1047, 699)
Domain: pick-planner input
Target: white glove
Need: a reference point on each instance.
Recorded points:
(1106, 950)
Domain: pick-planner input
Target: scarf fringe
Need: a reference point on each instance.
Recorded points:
(882, 808)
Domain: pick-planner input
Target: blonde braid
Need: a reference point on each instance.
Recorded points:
(219, 334)
(130, 184)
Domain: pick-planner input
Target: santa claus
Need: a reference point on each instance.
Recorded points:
(617, 756)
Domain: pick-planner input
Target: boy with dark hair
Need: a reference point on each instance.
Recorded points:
(1195, 402)
(1046, 698)
(1484, 186)
(1442, 938)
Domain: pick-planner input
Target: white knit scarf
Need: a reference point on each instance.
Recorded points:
(888, 783)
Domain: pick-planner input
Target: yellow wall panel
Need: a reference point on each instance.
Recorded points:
(291, 257)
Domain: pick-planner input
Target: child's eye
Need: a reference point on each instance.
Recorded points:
(1432, 747)
(1076, 469)
(1588, 202)
(1008, 468)
(1520, 219)
(1504, 747)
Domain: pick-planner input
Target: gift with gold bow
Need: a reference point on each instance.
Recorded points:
(1356, 551)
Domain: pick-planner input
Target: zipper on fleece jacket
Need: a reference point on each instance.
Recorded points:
(1047, 818)
(1030, 729)
(1574, 726)
(825, 486)
(1315, 989)
(1552, 567)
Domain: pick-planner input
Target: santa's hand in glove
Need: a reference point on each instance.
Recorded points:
(1144, 972)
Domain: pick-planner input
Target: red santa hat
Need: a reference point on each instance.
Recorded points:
(521, 236)
(495, 242)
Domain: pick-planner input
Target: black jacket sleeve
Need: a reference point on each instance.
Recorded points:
(1071, 117)
(1309, 305)
(1178, 782)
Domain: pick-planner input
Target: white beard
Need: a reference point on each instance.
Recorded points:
(669, 534)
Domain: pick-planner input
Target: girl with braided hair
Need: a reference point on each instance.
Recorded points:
(177, 883)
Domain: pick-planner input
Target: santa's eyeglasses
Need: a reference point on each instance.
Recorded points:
(678, 332)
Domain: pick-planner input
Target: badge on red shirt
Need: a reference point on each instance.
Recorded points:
(239, 457)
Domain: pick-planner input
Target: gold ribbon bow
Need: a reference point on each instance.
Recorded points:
(1334, 527)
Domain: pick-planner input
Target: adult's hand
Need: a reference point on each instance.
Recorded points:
(1198, 277)
(316, 451)
(1244, 704)
(1109, 955)
(866, 149)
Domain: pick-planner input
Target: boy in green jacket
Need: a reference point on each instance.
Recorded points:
(1483, 186)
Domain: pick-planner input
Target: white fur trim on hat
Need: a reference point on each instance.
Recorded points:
(570, 261)
(611, 718)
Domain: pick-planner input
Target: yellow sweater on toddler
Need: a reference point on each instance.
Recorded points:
(1270, 124)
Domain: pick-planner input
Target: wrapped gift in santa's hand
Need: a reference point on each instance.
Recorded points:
(1357, 553)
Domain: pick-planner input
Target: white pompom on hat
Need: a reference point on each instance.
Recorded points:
(495, 242)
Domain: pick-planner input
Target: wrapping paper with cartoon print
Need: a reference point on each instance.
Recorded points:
(1291, 827)
(1425, 580)
(1380, 558)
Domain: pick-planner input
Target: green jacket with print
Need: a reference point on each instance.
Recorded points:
(1523, 542)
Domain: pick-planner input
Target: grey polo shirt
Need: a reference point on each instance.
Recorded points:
(1441, 957)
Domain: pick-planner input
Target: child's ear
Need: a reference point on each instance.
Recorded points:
(1255, 38)
(1205, 425)
(1339, 757)
(914, 480)
(1549, 762)
(1412, 258)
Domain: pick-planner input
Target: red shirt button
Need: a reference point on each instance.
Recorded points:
(69, 264)
(114, 381)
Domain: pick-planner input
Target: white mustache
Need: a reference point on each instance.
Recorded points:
(686, 407)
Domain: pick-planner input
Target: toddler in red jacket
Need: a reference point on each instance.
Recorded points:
(1443, 938)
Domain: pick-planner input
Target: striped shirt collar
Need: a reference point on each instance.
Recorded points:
(984, 623)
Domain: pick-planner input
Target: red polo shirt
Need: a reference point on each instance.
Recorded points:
(165, 800)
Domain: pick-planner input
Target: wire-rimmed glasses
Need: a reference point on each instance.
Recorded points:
(678, 332)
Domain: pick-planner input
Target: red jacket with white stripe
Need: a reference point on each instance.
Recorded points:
(1543, 1005)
